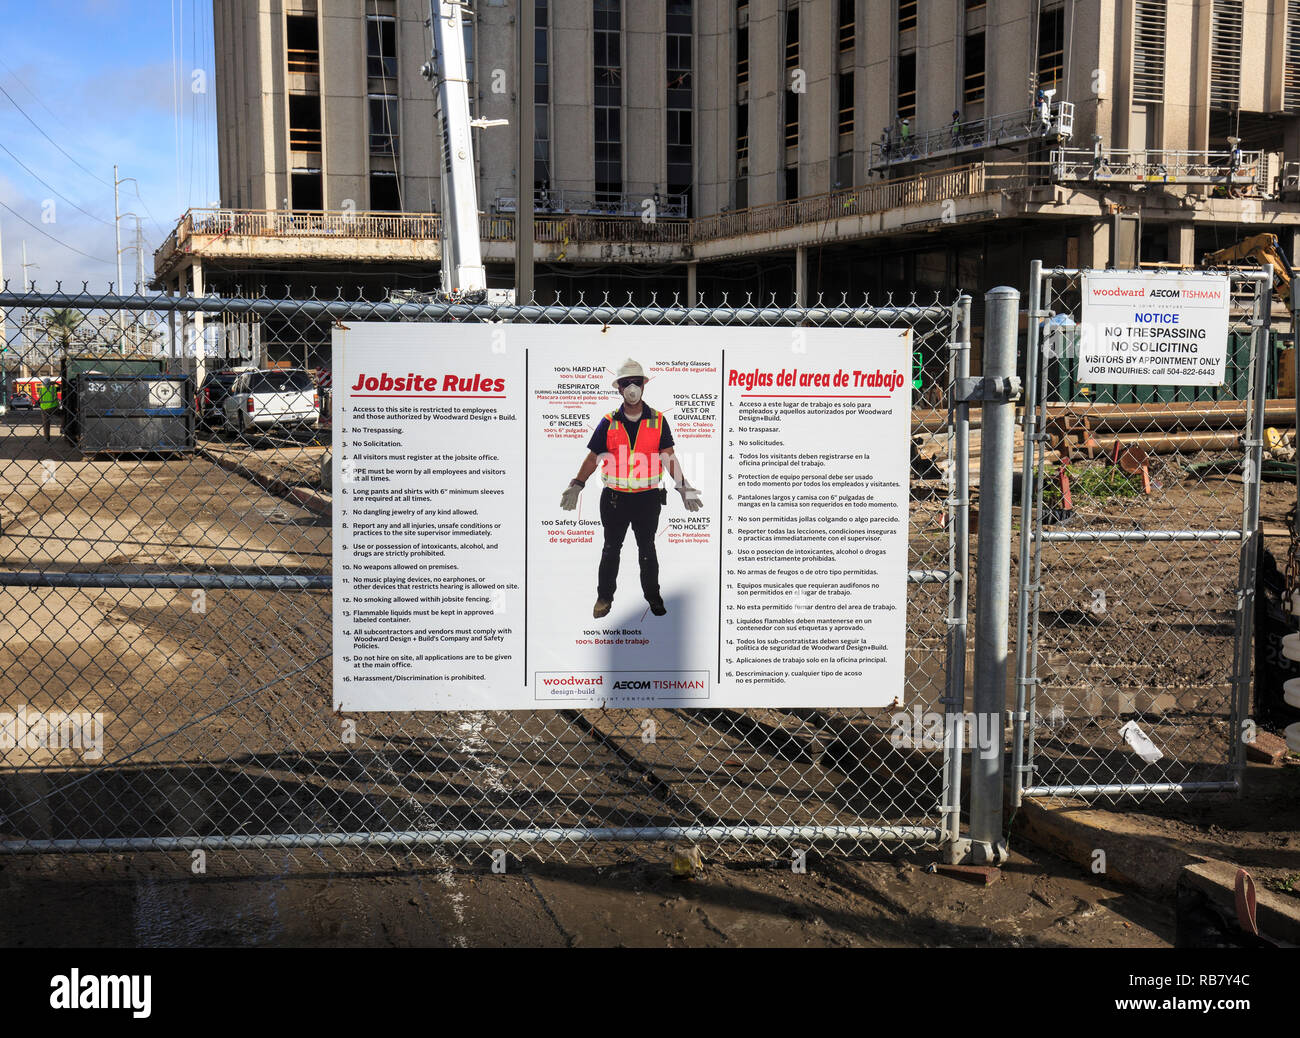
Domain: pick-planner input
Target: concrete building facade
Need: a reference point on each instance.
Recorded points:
(858, 145)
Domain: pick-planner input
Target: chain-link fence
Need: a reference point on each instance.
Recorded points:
(165, 620)
(1137, 559)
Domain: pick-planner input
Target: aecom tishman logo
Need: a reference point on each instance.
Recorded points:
(95, 991)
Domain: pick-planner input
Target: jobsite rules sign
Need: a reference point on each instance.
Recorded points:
(1153, 329)
(471, 573)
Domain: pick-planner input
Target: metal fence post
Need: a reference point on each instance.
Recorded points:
(998, 391)
(1028, 503)
(959, 584)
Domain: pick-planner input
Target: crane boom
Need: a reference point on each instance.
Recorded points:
(462, 255)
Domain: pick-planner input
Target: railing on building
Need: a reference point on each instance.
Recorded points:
(1053, 122)
(570, 202)
(1246, 169)
(576, 229)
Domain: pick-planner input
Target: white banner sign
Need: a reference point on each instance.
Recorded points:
(461, 583)
(1153, 329)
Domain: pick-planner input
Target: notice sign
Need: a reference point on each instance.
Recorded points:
(1153, 329)
(516, 528)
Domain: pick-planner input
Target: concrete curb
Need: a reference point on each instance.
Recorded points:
(1155, 866)
(308, 499)
(1134, 857)
(1277, 915)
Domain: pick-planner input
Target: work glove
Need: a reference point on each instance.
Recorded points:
(569, 499)
(690, 497)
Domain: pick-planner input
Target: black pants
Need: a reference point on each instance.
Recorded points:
(618, 511)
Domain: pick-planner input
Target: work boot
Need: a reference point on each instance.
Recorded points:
(602, 608)
(658, 608)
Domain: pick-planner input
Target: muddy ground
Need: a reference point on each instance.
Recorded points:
(153, 901)
(218, 721)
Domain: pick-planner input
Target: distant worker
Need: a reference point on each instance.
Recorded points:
(956, 127)
(633, 446)
(905, 132)
(49, 398)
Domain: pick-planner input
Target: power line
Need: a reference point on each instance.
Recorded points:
(49, 138)
(51, 187)
(56, 241)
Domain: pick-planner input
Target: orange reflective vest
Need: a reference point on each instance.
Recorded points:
(630, 466)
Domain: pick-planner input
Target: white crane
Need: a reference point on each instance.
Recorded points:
(463, 276)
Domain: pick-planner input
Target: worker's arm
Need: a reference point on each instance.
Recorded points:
(669, 463)
(690, 496)
(588, 466)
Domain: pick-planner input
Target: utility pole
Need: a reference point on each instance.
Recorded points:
(24, 326)
(117, 233)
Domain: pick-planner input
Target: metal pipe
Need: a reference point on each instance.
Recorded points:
(1136, 536)
(993, 580)
(477, 837)
(360, 310)
(172, 581)
(1244, 642)
(1123, 788)
(959, 587)
(1026, 516)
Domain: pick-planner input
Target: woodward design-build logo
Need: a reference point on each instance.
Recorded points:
(53, 730)
(97, 991)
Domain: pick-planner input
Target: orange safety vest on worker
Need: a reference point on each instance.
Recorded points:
(632, 467)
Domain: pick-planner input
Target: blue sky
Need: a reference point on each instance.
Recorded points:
(106, 81)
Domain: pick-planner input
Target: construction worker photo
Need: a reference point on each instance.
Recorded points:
(49, 397)
(634, 447)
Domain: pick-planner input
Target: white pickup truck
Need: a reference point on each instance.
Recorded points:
(272, 398)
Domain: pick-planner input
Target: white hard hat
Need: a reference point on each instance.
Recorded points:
(630, 369)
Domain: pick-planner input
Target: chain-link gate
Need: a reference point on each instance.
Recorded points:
(166, 667)
(1137, 562)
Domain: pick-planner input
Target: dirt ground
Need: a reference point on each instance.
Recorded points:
(153, 901)
(218, 718)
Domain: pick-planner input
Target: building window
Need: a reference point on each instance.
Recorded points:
(973, 78)
(383, 124)
(305, 190)
(975, 5)
(791, 182)
(742, 56)
(1051, 47)
(907, 85)
(608, 23)
(542, 99)
(742, 156)
(846, 103)
(385, 196)
(681, 172)
(847, 25)
(1291, 85)
(1149, 51)
(304, 122)
(1225, 54)
(791, 65)
(381, 47)
(302, 44)
(906, 15)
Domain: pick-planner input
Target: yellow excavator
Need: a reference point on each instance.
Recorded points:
(1262, 249)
